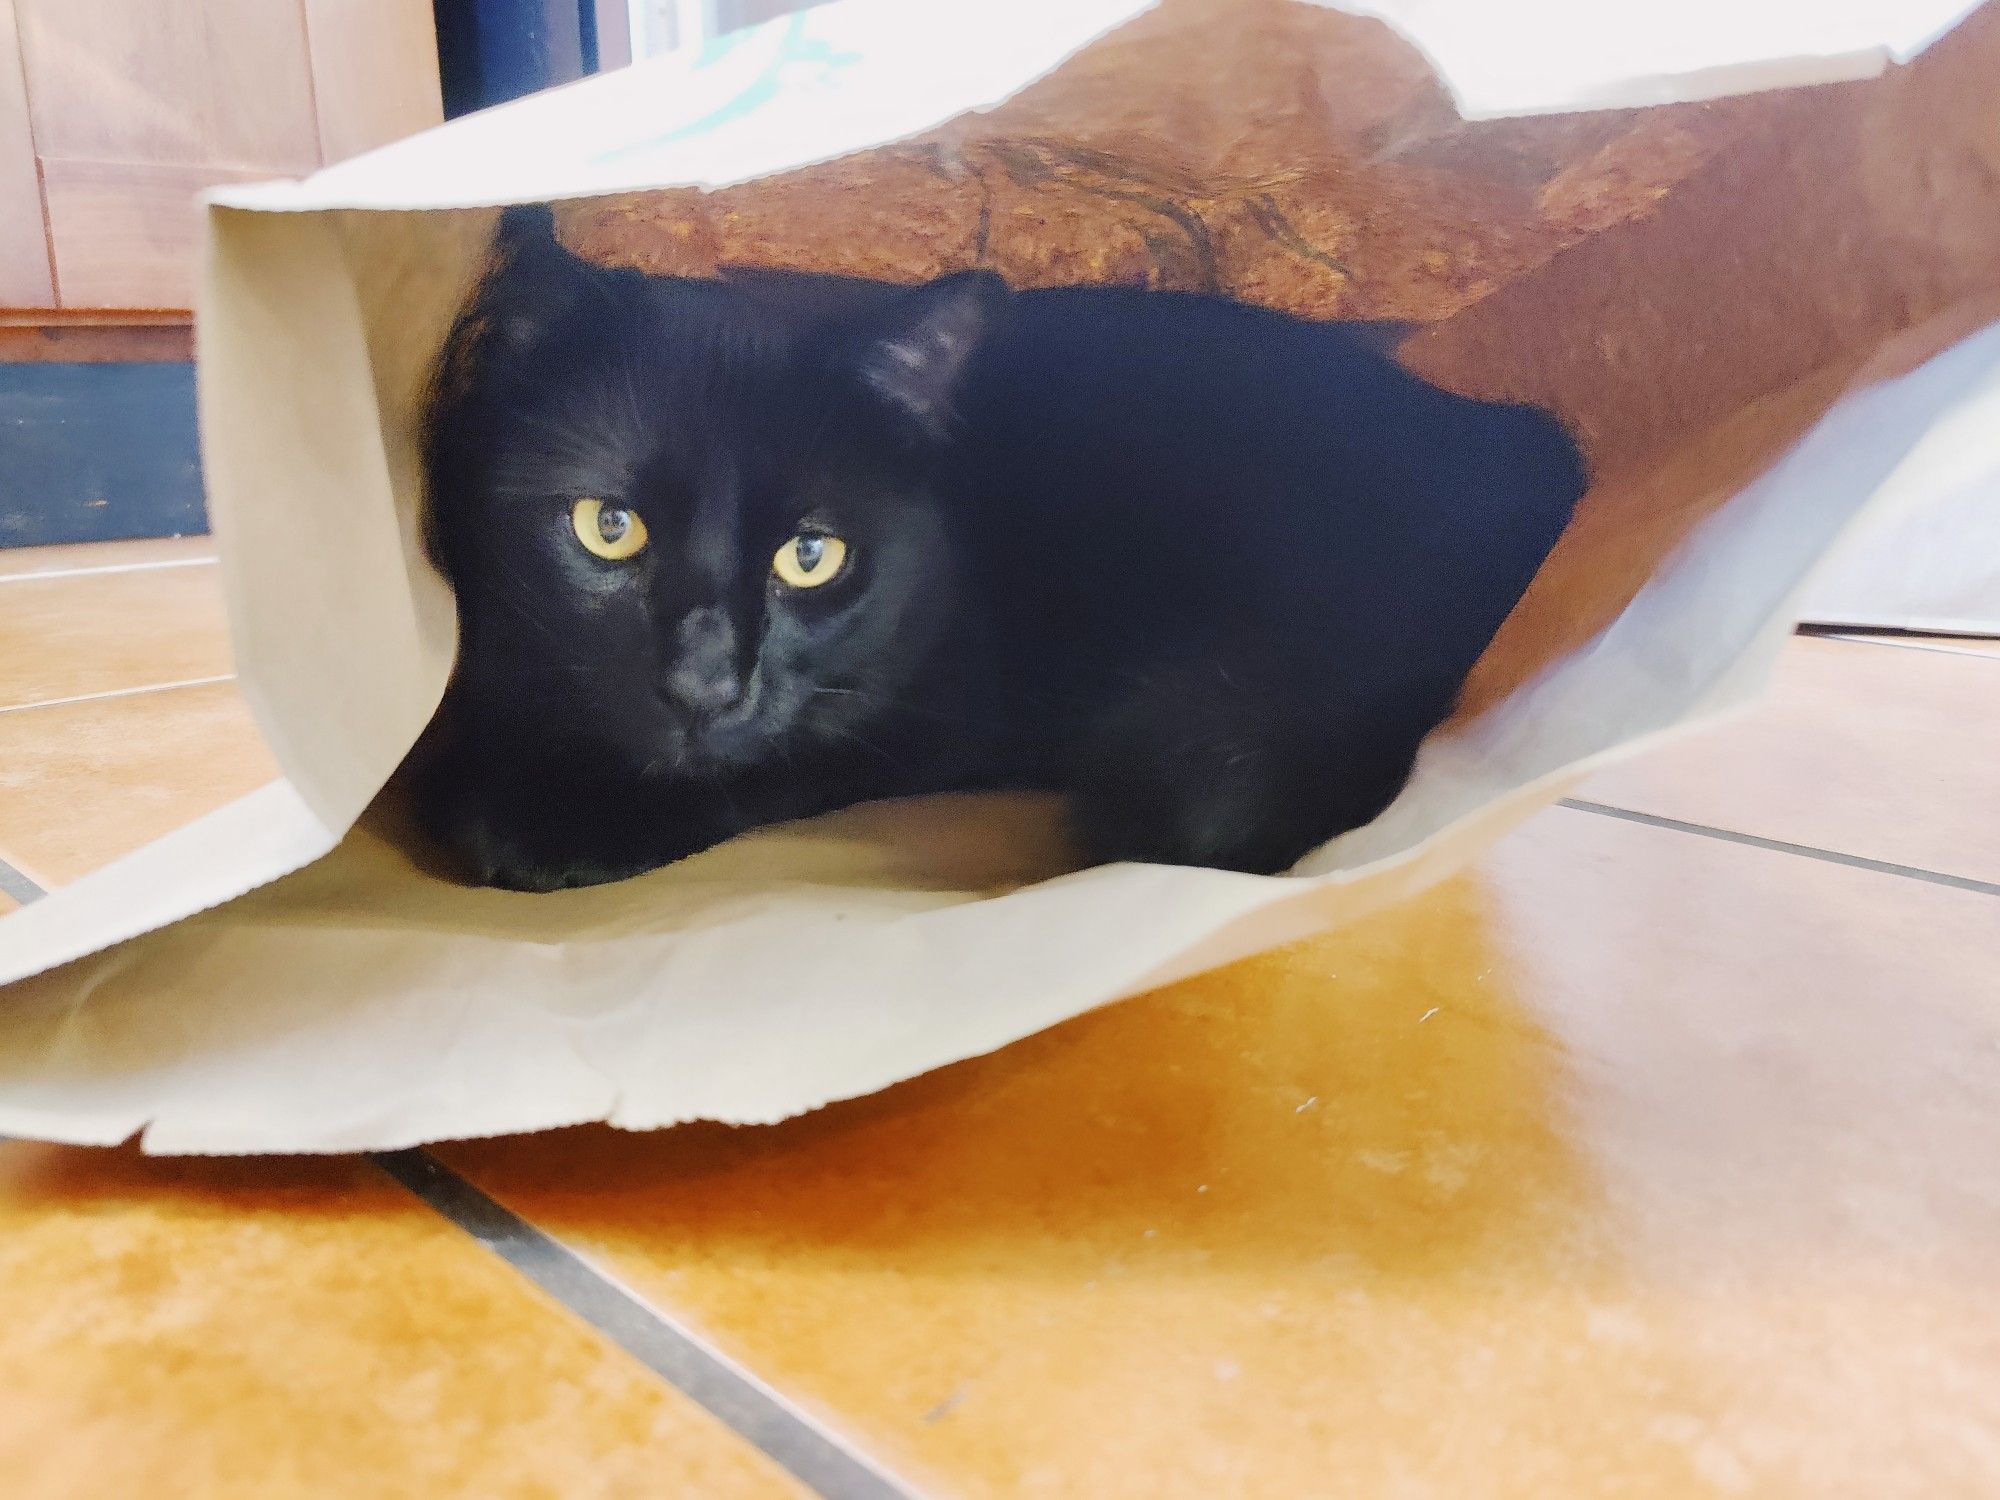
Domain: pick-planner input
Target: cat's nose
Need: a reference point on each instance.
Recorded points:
(704, 675)
(706, 692)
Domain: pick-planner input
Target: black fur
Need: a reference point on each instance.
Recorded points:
(1212, 571)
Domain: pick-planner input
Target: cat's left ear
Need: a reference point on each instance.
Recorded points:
(914, 354)
(534, 284)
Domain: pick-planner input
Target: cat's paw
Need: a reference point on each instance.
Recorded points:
(1175, 777)
(515, 869)
(1198, 766)
(502, 842)
(484, 855)
(1152, 819)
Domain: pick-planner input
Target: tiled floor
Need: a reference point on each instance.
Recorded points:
(1654, 1156)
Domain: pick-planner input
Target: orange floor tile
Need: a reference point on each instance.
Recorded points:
(81, 634)
(151, 762)
(1634, 1163)
(1869, 750)
(287, 1328)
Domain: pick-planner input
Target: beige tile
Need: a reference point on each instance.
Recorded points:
(80, 634)
(82, 783)
(1632, 1163)
(287, 1329)
(1863, 749)
(23, 562)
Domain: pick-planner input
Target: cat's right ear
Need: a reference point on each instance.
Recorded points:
(533, 283)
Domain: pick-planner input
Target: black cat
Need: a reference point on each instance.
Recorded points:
(728, 553)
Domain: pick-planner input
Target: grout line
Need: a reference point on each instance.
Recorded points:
(19, 886)
(132, 692)
(139, 567)
(1779, 846)
(1876, 640)
(733, 1395)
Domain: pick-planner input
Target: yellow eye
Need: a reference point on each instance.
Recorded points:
(809, 560)
(608, 531)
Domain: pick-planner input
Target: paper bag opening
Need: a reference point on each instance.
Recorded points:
(1767, 317)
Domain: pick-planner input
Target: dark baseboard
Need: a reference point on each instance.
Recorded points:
(98, 452)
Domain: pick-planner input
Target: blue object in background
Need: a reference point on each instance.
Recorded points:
(98, 453)
(490, 51)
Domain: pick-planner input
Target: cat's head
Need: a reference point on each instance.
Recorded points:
(687, 524)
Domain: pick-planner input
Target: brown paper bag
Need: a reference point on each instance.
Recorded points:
(1769, 318)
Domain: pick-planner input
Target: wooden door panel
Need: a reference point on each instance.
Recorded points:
(110, 81)
(25, 280)
(375, 72)
(171, 82)
(132, 107)
(124, 234)
(260, 102)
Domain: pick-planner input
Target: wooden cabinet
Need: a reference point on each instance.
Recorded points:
(26, 279)
(114, 114)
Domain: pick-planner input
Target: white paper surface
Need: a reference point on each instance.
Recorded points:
(1935, 568)
(1523, 57)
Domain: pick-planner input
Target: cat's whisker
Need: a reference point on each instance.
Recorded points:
(866, 744)
(900, 706)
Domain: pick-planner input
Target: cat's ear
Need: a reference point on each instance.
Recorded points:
(913, 354)
(534, 282)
